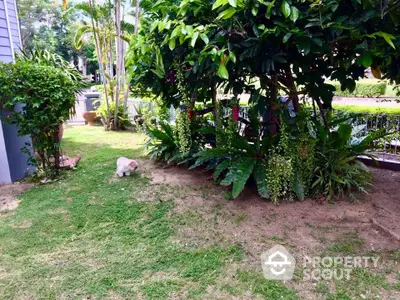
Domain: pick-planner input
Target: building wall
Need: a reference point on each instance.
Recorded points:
(13, 162)
(6, 52)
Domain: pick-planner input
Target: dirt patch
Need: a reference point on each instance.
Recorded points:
(8, 195)
(23, 225)
(256, 224)
(174, 175)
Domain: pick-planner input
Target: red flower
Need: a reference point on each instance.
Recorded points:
(235, 112)
(191, 113)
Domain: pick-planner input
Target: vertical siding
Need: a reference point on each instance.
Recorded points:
(6, 54)
(14, 24)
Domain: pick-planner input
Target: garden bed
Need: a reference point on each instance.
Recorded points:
(374, 215)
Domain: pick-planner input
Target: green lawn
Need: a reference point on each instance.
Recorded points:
(92, 236)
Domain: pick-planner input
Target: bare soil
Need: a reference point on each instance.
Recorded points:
(8, 194)
(308, 226)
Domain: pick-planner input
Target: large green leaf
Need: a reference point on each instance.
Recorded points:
(387, 37)
(269, 9)
(219, 3)
(260, 177)
(194, 38)
(365, 60)
(226, 14)
(220, 168)
(204, 37)
(223, 72)
(172, 43)
(285, 9)
(294, 15)
(287, 37)
(243, 172)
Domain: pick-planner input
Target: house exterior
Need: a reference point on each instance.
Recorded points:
(13, 162)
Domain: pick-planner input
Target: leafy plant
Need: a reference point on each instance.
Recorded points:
(183, 131)
(337, 168)
(362, 89)
(123, 117)
(162, 143)
(238, 160)
(47, 95)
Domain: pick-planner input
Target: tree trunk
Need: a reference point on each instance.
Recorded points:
(128, 84)
(118, 56)
(99, 55)
(293, 95)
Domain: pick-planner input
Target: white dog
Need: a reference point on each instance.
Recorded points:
(126, 166)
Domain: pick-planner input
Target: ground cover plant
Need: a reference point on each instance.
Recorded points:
(92, 235)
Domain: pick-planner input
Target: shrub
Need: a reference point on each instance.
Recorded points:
(162, 143)
(123, 117)
(337, 169)
(145, 115)
(47, 94)
(362, 89)
(362, 109)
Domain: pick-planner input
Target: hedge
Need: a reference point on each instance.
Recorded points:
(363, 89)
(366, 109)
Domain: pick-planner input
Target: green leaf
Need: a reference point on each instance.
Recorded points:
(243, 172)
(287, 37)
(269, 9)
(285, 9)
(219, 3)
(304, 45)
(232, 56)
(220, 168)
(298, 188)
(223, 72)
(344, 132)
(260, 177)
(233, 3)
(294, 15)
(365, 60)
(204, 37)
(387, 37)
(171, 44)
(194, 38)
(226, 14)
(254, 11)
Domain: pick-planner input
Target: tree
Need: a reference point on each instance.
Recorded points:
(197, 46)
(44, 26)
(105, 27)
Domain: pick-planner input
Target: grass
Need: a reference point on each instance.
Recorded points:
(90, 235)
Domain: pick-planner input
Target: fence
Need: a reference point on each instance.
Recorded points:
(132, 105)
(388, 148)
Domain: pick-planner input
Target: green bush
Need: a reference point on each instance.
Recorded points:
(123, 117)
(365, 109)
(47, 94)
(367, 88)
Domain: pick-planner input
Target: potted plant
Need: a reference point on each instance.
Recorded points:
(90, 117)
